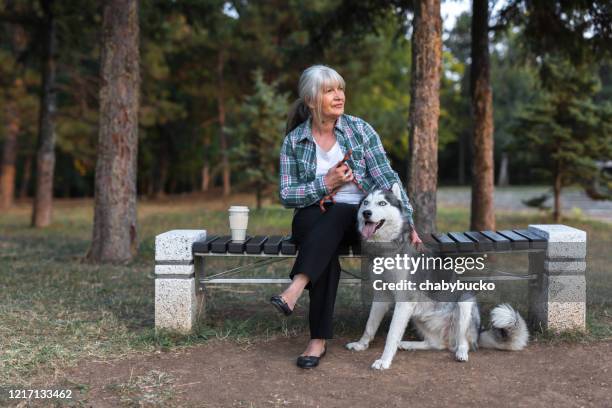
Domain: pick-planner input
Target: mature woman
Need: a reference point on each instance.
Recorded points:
(318, 136)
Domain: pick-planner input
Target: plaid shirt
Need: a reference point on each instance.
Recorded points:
(300, 187)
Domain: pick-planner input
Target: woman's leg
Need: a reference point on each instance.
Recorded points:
(322, 301)
(318, 236)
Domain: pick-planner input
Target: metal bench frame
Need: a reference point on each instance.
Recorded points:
(556, 265)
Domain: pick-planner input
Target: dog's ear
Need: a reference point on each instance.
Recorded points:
(397, 191)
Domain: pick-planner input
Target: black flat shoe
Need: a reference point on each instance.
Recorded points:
(310, 361)
(280, 305)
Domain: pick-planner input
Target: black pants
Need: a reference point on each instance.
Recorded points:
(319, 236)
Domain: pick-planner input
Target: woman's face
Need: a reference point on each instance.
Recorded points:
(332, 101)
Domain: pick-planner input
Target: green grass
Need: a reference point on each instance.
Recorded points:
(56, 310)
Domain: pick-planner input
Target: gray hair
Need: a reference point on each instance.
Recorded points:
(312, 81)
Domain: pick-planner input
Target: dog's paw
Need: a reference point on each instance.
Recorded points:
(406, 345)
(357, 346)
(461, 355)
(381, 364)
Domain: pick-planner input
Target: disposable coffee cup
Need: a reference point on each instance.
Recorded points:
(238, 220)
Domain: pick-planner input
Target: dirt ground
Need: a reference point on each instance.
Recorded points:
(263, 373)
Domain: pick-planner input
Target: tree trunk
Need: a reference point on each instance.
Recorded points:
(205, 176)
(259, 194)
(222, 134)
(115, 223)
(27, 175)
(162, 169)
(9, 154)
(12, 115)
(503, 179)
(461, 160)
(483, 215)
(424, 113)
(557, 192)
(45, 157)
(206, 166)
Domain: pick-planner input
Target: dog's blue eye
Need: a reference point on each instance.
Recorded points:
(382, 203)
(366, 202)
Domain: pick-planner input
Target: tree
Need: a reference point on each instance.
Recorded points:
(45, 157)
(260, 130)
(14, 93)
(424, 113)
(566, 132)
(483, 170)
(455, 120)
(115, 224)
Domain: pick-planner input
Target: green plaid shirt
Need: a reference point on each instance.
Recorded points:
(300, 187)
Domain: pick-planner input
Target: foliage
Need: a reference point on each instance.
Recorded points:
(565, 132)
(182, 42)
(259, 129)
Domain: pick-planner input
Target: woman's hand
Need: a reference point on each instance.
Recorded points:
(337, 176)
(414, 238)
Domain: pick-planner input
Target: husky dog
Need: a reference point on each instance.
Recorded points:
(453, 325)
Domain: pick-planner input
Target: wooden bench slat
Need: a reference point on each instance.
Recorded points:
(219, 246)
(237, 247)
(463, 243)
(255, 244)
(518, 241)
(536, 241)
(431, 243)
(288, 247)
(203, 247)
(272, 245)
(483, 243)
(447, 244)
(499, 241)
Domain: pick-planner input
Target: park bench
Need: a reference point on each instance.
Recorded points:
(556, 272)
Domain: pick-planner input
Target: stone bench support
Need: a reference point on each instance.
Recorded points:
(557, 298)
(177, 303)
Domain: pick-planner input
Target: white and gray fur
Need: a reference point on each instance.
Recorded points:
(443, 325)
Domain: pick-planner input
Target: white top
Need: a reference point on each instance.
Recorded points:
(349, 192)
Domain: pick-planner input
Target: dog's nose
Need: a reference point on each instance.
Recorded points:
(367, 214)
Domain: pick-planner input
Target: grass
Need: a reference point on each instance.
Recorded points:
(56, 310)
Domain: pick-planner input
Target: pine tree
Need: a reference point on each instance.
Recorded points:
(566, 130)
(260, 131)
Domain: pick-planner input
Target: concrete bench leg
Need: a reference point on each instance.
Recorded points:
(557, 298)
(177, 303)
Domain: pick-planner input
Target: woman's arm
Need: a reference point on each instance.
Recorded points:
(292, 193)
(380, 169)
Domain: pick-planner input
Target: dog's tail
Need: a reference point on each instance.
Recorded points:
(508, 330)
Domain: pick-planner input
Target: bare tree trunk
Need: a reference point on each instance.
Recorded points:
(206, 166)
(205, 176)
(12, 116)
(115, 223)
(483, 214)
(259, 194)
(222, 135)
(9, 154)
(557, 193)
(461, 160)
(27, 175)
(424, 113)
(162, 169)
(45, 157)
(503, 180)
